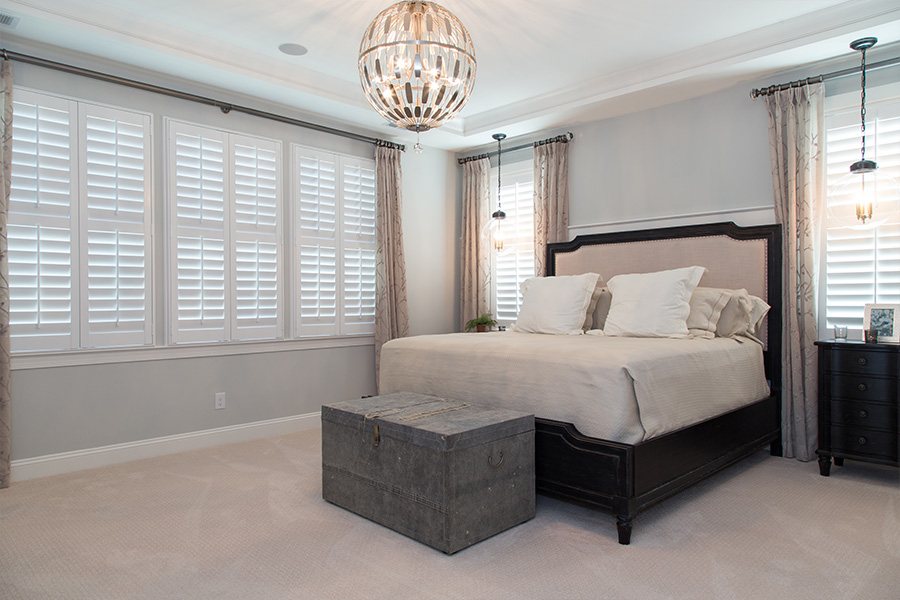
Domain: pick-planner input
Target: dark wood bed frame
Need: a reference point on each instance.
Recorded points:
(625, 479)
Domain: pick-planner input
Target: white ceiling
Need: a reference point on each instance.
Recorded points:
(541, 63)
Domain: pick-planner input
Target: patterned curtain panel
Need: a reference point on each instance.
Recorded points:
(476, 290)
(551, 199)
(796, 129)
(6, 114)
(391, 310)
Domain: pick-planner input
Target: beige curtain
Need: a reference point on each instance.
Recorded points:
(551, 199)
(391, 311)
(6, 113)
(476, 289)
(796, 130)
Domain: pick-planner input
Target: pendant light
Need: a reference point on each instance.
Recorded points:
(492, 232)
(417, 65)
(864, 197)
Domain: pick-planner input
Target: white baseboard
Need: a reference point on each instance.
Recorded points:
(66, 462)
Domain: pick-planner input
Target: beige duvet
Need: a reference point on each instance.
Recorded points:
(618, 389)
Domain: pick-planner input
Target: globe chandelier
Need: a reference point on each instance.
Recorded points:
(417, 65)
(864, 197)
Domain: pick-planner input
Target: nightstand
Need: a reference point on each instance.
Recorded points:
(859, 396)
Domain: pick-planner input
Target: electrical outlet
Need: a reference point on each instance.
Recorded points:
(220, 400)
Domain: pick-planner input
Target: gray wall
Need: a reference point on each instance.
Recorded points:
(705, 155)
(68, 408)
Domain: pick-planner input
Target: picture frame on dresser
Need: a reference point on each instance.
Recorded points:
(883, 318)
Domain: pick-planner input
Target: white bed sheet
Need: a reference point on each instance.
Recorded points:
(614, 388)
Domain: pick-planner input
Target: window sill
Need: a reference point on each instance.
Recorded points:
(78, 358)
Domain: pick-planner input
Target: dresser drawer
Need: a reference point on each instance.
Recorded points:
(852, 360)
(863, 387)
(864, 414)
(864, 441)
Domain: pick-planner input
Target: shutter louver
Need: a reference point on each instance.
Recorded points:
(358, 228)
(197, 198)
(517, 264)
(226, 191)
(43, 309)
(257, 313)
(116, 227)
(862, 265)
(316, 254)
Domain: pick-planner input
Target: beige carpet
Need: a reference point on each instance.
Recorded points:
(247, 521)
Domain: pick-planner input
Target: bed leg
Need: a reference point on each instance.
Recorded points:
(775, 448)
(624, 524)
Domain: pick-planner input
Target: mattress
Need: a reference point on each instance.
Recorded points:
(614, 388)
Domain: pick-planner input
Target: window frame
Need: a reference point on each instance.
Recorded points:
(81, 216)
(339, 324)
(229, 330)
(517, 193)
(842, 111)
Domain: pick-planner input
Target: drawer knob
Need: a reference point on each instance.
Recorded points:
(863, 414)
(862, 387)
(862, 441)
(862, 361)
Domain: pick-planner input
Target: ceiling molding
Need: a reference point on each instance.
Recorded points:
(752, 45)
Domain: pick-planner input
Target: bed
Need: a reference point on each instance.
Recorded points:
(621, 434)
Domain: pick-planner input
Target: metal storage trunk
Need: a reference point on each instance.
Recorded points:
(446, 473)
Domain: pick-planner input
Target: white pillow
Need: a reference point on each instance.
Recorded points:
(555, 305)
(652, 304)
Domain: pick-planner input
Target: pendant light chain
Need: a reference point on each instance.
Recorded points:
(862, 109)
(499, 171)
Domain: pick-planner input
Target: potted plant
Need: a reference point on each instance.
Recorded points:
(481, 323)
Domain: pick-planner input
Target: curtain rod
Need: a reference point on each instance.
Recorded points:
(767, 91)
(225, 107)
(565, 138)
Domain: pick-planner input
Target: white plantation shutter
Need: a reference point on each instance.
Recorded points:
(861, 265)
(316, 257)
(197, 212)
(334, 207)
(115, 233)
(358, 227)
(43, 309)
(257, 192)
(516, 263)
(225, 265)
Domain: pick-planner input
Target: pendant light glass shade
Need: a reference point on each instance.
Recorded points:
(860, 200)
(865, 197)
(417, 65)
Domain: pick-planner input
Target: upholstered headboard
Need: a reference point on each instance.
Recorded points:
(735, 257)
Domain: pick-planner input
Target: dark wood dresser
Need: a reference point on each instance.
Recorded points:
(859, 396)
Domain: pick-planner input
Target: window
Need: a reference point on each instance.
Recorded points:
(861, 265)
(79, 225)
(516, 263)
(224, 254)
(80, 233)
(334, 249)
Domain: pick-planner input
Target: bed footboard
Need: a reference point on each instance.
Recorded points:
(625, 479)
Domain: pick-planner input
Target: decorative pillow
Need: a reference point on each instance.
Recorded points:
(597, 317)
(742, 315)
(555, 305)
(706, 309)
(652, 304)
(592, 307)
